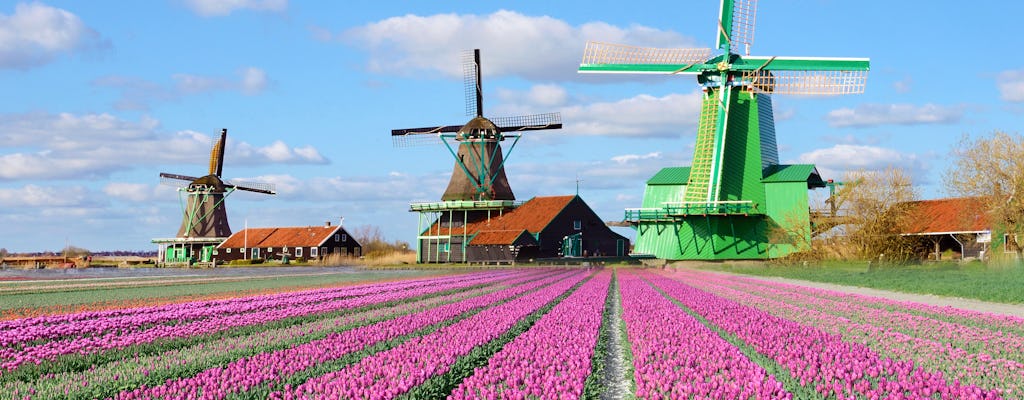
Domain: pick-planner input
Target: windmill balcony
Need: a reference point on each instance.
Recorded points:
(673, 210)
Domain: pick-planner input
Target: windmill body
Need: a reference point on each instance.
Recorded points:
(204, 223)
(735, 201)
(478, 188)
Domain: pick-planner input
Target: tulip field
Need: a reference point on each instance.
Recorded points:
(537, 333)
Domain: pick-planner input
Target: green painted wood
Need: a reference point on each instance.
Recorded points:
(670, 176)
(741, 179)
(725, 26)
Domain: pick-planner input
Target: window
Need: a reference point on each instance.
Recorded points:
(323, 251)
(255, 252)
(344, 237)
(312, 251)
(577, 224)
(298, 252)
(270, 249)
(227, 250)
(337, 237)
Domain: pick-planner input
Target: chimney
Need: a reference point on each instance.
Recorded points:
(327, 224)
(341, 221)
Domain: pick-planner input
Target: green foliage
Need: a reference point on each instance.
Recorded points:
(973, 280)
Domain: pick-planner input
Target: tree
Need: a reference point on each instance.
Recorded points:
(991, 169)
(875, 206)
(373, 242)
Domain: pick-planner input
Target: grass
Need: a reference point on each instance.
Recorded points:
(1002, 284)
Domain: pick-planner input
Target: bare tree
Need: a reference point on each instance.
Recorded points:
(991, 169)
(374, 243)
(875, 207)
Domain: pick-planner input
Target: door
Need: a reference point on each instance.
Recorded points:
(572, 245)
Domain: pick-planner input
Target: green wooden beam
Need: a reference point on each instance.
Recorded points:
(725, 30)
(800, 64)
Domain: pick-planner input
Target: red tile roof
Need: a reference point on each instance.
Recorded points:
(499, 237)
(946, 216)
(299, 236)
(533, 216)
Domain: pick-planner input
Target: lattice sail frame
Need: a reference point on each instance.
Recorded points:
(744, 14)
(610, 53)
(819, 83)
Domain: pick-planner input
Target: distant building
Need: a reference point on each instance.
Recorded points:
(543, 227)
(954, 224)
(297, 243)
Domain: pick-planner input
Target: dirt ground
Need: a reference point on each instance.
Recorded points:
(955, 302)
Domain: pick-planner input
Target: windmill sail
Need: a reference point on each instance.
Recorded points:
(479, 172)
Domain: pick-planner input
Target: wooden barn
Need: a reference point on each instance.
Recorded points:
(543, 227)
(295, 243)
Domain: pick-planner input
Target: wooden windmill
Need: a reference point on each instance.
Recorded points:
(724, 206)
(479, 172)
(478, 186)
(203, 211)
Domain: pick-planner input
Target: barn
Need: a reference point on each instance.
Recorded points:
(953, 225)
(543, 227)
(295, 243)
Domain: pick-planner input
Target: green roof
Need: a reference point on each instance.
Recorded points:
(670, 176)
(793, 173)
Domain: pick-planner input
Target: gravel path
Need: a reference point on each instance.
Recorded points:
(955, 302)
(615, 381)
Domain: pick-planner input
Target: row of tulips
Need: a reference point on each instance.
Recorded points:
(814, 357)
(11, 358)
(991, 361)
(393, 372)
(1008, 324)
(270, 368)
(102, 380)
(28, 330)
(552, 359)
(675, 356)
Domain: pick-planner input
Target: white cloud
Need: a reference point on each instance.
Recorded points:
(91, 146)
(135, 192)
(220, 8)
(832, 162)
(1011, 85)
(626, 158)
(44, 196)
(138, 94)
(640, 116)
(533, 47)
(35, 34)
(867, 115)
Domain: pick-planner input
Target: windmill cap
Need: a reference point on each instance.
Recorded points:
(479, 128)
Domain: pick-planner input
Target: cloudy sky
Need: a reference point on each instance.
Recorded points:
(101, 96)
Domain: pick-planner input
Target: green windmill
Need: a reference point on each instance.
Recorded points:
(735, 201)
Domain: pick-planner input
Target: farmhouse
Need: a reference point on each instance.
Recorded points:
(543, 227)
(957, 225)
(297, 243)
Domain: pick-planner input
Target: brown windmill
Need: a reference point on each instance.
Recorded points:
(204, 222)
(478, 187)
(479, 171)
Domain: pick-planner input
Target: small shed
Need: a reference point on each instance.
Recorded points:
(295, 243)
(954, 224)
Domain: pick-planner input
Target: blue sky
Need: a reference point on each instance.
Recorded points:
(101, 96)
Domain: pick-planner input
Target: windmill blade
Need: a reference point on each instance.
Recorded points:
(611, 58)
(416, 140)
(736, 25)
(175, 180)
(256, 187)
(805, 76)
(471, 82)
(426, 130)
(534, 122)
(217, 154)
